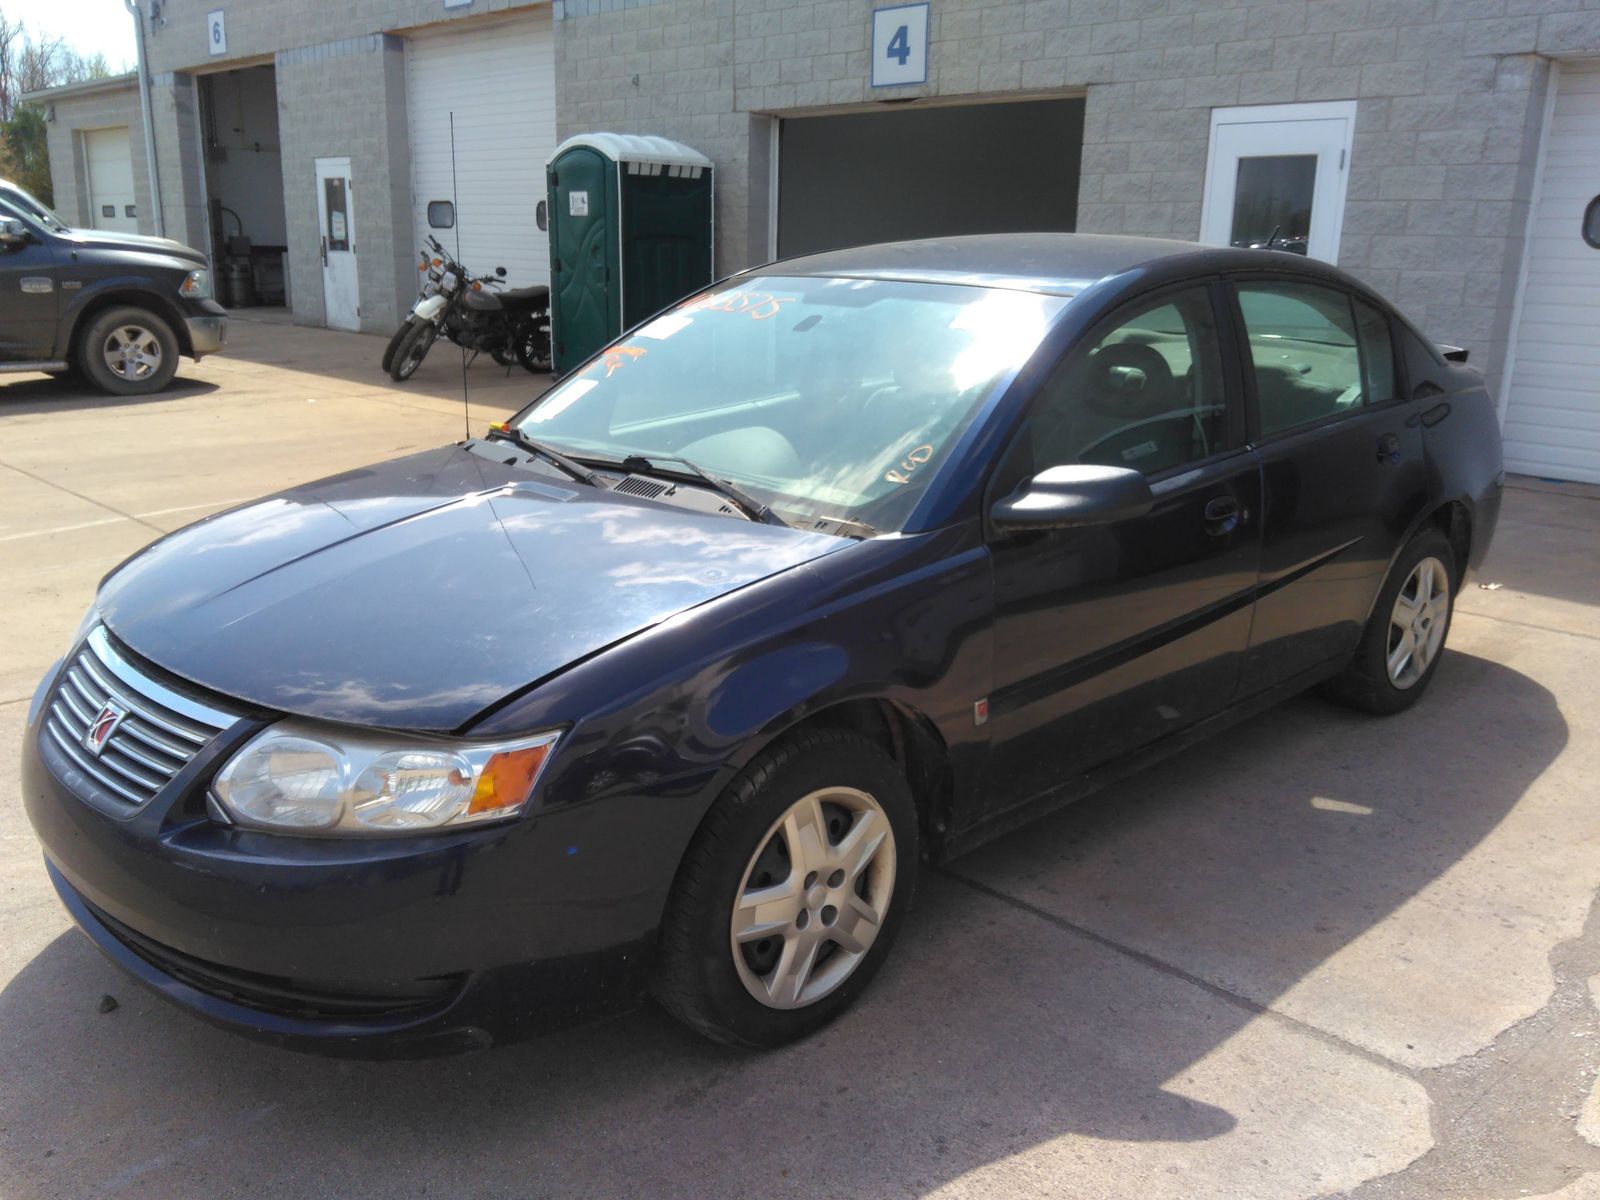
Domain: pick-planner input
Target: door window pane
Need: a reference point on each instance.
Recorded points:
(338, 230)
(1377, 354)
(1147, 394)
(1304, 348)
(1272, 202)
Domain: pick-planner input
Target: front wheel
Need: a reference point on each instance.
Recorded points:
(412, 349)
(394, 343)
(791, 893)
(128, 351)
(1404, 639)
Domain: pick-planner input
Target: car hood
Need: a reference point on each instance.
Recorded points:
(105, 240)
(418, 592)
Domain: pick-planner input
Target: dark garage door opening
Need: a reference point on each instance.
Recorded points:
(928, 172)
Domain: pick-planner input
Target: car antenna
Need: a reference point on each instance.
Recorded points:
(455, 201)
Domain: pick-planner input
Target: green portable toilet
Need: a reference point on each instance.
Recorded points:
(630, 232)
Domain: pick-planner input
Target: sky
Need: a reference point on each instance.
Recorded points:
(89, 26)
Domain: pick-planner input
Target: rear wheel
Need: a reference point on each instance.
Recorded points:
(1404, 639)
(533, 343)
(128, 351)
(791, 893)
(413, 348)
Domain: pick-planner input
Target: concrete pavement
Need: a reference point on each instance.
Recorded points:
(1321, 955)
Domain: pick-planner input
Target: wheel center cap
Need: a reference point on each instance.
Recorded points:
(816, 895)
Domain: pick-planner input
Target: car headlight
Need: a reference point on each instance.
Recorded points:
(302, 778)
(196, 285)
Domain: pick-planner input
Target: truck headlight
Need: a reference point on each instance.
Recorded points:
(298, 777)
(196, 285)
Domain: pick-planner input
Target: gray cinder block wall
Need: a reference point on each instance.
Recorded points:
(1450, 100)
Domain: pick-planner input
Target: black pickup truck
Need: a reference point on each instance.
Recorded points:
(117, 308)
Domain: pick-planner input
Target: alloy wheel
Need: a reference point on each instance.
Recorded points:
(132, 352)
(1417, 624)
(813, 897)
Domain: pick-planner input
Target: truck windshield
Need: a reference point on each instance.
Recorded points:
(26, 206)
(827, 398)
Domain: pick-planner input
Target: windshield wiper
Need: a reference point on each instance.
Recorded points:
(523, 442)
(740, 499)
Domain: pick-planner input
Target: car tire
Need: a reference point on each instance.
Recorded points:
(823, 784)
(412, 349)
(128, 351)
(1405, 636)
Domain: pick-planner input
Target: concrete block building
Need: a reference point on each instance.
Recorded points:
(1447, 151)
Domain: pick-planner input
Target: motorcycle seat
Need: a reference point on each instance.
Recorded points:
(536, 296)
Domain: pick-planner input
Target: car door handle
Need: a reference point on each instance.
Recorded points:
(1389, 448)
(1222, 515)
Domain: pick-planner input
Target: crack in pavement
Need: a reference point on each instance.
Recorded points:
(1505, 1120)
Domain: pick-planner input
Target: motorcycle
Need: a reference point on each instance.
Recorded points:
(511, 325)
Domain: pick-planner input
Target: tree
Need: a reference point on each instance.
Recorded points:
(27, 66)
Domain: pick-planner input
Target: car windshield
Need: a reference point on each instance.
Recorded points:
(825, 398)
(24, 205)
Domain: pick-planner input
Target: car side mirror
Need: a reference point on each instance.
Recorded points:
(12, 232)
(1073, 497)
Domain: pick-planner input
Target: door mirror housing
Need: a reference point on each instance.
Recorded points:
(1073, 497)
(12, 232)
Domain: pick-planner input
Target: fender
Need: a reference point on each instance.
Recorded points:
(430, 308)
(142, 290)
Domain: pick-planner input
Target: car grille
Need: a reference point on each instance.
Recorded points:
(160, 734)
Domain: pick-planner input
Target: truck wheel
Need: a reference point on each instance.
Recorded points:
(128, 352)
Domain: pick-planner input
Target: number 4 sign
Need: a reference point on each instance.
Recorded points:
(900, 45)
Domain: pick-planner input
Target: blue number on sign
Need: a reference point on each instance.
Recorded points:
(216, 32)
(900, 45)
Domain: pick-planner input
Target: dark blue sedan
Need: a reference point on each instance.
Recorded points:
(670, 684)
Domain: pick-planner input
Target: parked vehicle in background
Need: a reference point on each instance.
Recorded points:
(118, 308)
(511, 325)
(673, 681)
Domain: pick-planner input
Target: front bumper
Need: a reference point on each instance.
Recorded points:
(383, 948)
(207, 334)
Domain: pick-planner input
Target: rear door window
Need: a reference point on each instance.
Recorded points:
(1305, 351)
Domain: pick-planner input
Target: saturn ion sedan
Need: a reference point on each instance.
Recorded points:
(670, 684)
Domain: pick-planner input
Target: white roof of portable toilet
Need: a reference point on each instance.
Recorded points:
(635, 148)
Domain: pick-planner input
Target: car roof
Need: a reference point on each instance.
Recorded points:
(1062, 264)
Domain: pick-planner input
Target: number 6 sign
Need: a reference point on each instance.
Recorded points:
(216, 33)
(900, 45)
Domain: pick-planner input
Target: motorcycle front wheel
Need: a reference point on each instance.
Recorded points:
(411, 350)
(533, 344)
(394, 343)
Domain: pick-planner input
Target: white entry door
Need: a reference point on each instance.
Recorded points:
(110, 163)
(336, 214)
(1276, 177)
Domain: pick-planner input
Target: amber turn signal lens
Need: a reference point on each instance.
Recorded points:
(438, 262)
(476, 286)
(507, 779)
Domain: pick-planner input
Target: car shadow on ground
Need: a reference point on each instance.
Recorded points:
(990, 1031)
(32, 394)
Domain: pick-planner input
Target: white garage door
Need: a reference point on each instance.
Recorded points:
(499, 77)
(111, 202)
(1553, 394)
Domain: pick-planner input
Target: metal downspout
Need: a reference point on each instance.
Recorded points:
(149, 125)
